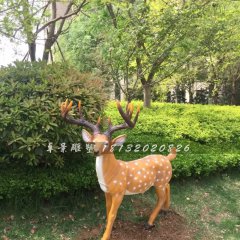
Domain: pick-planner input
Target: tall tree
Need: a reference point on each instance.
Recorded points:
(219, 57)
(141, 42)
(25, 20)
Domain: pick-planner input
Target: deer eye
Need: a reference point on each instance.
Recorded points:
(106, 143)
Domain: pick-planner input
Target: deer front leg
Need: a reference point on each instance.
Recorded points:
(116, 202)
(108, 198)
(160, 201)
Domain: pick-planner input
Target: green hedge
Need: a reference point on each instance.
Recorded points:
(200, 123)
(27, 182)
(211, 133)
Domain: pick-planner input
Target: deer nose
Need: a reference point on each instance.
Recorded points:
(96, 153)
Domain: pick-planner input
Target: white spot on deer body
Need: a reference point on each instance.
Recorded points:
(139, 172)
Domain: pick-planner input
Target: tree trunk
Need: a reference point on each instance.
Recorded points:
(190, 92)
(234, 92)
(117, 92)
(147, 92)
(190, 96)
(32, 51)
(47, 49)
(213, 94)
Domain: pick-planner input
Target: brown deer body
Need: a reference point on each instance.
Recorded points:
(118, 178)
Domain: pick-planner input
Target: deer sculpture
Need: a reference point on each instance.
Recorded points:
(118, 178)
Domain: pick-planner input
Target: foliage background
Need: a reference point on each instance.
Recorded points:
(167, 47)
(211, 134)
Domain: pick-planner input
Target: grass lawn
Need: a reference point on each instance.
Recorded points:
(207, 208)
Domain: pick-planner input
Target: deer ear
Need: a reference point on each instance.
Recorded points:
(87, 137)
(118, 141)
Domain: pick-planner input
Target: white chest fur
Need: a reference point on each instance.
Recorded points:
(99, 170)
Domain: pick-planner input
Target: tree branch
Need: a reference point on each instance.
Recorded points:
(62, 17)
(10, 8)
(12, 36)
(60, 50)
(43, 12)
(140, 74)
(54, 14)
(175, 69)
(63, 20)
(161, 59)
(112, 14)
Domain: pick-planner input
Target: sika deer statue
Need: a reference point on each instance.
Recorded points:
(118, 178)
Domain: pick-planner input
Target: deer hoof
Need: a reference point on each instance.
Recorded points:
(148, 226)
(164, 212)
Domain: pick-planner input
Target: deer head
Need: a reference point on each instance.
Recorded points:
(102, 141)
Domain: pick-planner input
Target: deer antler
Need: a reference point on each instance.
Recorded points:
(66, 107)
(126, 116)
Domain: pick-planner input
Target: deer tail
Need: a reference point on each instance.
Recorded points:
(172, 155)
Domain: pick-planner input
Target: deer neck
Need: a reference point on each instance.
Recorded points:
(106, 167)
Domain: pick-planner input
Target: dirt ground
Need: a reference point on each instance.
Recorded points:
(171, 226)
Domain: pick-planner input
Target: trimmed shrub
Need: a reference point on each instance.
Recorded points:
(199, 123)
(206, 136)
(30, 95)
(27, 182)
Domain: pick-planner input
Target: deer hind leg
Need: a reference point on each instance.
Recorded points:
(166, 204)
(161, 197)
(108, 198)
(116, 202)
